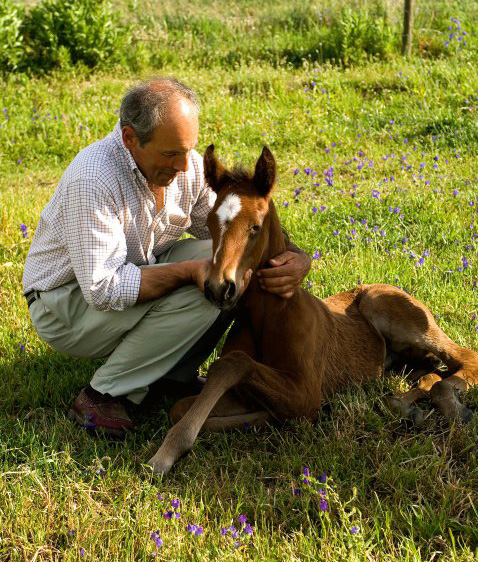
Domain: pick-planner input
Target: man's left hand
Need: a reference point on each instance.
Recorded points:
(286, 273)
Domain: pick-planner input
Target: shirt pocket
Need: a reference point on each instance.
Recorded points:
(177, 226)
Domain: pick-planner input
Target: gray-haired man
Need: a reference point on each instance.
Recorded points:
(106, 275)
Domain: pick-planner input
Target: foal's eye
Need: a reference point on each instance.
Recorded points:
(256, 228)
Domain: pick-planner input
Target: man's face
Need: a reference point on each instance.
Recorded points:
(167, 153)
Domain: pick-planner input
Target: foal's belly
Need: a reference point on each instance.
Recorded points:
(358, 352)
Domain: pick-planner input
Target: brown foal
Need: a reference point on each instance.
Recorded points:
(282, 358)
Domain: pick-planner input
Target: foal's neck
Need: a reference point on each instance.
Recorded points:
(275, 243)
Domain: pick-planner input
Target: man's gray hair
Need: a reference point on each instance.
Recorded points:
(145, 105)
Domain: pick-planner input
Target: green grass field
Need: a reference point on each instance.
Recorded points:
(378, 183)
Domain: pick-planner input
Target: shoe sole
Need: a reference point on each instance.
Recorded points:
(118, 433)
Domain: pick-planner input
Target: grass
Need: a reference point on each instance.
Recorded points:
(410, 494)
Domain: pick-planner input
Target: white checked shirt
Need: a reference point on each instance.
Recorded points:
(101, 224)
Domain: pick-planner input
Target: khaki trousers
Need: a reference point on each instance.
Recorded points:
(142, 343)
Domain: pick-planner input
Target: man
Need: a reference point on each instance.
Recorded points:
(106, 275)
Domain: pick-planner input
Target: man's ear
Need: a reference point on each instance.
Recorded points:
(130, 140)
(265, 173)
(213, 169)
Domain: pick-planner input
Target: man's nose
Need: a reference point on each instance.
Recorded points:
(181, 162)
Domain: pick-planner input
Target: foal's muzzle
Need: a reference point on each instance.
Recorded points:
(223, 295)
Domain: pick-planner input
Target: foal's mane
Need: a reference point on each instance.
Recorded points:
(238, 174)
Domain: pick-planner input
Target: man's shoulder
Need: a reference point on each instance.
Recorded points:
(99, 162)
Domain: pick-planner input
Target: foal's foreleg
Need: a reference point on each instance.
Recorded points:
(404, 404)
(444, 394)
(225, 373)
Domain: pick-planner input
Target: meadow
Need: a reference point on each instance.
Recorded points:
(378, 182)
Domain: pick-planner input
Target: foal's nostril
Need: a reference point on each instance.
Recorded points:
(230, 291)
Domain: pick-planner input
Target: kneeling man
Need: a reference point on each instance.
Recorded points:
(106, 274)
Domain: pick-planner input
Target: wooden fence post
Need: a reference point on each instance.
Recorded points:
(407, 28)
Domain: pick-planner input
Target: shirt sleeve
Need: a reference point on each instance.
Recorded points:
(204, 202)
(97, 246)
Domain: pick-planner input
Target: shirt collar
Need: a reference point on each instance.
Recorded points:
(118, 139)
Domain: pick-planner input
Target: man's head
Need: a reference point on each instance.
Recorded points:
(159, 123)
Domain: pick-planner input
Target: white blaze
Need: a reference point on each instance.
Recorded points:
(229, 208)
(226, 212)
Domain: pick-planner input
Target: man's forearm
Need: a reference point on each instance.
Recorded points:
(156, 282)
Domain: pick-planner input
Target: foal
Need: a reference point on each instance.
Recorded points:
(283, 357)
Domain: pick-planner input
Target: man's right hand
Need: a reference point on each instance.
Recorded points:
(199, 272)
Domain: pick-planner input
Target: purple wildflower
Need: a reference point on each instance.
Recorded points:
(242, 518)
(316, 255)
(248, 530)
(323, 478)
(156, 538)
(354, 530)
(323, 505)
(175, 503)
(306, 471)
(23, 228)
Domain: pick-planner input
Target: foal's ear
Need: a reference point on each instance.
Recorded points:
(265, 173)
(213, 169)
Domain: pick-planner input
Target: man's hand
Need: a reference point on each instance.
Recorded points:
(199, 272)
(286, 274)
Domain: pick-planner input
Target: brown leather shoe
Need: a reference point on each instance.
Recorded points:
(101, 413)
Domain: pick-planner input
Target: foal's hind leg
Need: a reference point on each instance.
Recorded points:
(404, 321)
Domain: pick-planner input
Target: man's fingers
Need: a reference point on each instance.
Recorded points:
(277, 281)
(284, 270)
(282, 259)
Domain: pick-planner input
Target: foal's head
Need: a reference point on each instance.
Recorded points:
(238, 223)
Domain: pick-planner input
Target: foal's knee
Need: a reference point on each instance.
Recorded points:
(230, 368)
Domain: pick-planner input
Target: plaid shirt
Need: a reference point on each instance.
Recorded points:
(101, 224)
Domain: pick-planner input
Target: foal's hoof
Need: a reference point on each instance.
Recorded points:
(465, 415)
(409, 411)
(159, 464)
(417, 416)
